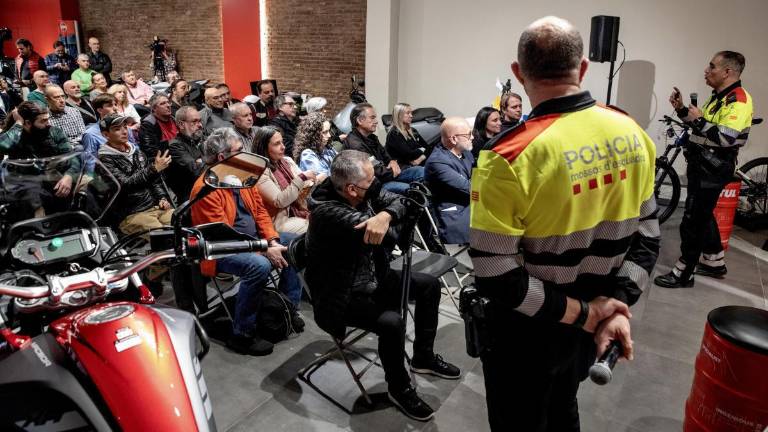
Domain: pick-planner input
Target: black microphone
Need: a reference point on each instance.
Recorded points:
(694, 99)
(602, 371)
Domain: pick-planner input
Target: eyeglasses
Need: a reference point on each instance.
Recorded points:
(359, 187)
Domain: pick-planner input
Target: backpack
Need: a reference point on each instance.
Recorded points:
(274, 320)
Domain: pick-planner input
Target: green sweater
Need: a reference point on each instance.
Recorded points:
(84, 78)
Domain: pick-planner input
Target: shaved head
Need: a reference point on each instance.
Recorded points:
(550, 49)
(456, 135)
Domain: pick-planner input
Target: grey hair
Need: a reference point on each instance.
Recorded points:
(83, 56)
(183, 112)
(218, 142)
(280, 100)
(347, 168)
(315, 104)
(155, 99)
(239, 107)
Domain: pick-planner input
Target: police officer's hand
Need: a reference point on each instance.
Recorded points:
(601, 308)
(616, 327)
(693, 112)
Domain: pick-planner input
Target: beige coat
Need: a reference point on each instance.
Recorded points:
(279, 201)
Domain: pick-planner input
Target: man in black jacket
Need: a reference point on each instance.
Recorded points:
(286, 120)
(186, 154)
(99, 61)
(264, 109)
(363, 138)
(351, 283)
(158, 128)
(143, 202)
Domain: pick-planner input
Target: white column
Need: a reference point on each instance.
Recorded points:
(381, 41)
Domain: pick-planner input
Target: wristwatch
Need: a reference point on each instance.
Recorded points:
(583, 315)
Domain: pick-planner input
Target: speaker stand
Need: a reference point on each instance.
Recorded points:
(610, 84)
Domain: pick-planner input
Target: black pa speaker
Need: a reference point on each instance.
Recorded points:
(603, 38)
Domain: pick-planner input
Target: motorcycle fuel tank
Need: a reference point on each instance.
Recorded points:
(142, 363)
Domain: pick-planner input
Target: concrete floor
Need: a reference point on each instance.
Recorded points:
(648, 394)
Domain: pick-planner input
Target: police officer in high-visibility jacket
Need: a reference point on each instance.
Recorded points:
(563, 236)
(719, 129)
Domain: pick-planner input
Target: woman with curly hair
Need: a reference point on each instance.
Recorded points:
(311, 147)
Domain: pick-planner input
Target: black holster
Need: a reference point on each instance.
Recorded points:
(475, 313)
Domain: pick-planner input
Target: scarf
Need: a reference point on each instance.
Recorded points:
(284, 177)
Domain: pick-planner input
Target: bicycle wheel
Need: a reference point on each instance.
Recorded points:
(753, 196)
(667, 190)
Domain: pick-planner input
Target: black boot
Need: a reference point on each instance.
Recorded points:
(709, 271)
(670, 280)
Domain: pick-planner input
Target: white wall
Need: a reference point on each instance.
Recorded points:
(451, 51)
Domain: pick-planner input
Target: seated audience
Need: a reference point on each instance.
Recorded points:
(511, 110)
(243, 210)
(316, 103)
(179, 95)
(27, 62)
(40, 78)
(76, 100)
(349, 275)
(99, 85)
(83, 75)
(120, 92)
(363, 138)
(139, 92)
(143, 203)
(447, 173)
(105, 105)
(264, 109)
(8, 100)
(286, 120)
(404, 144)
(62, 116)
(100, 62)
(312, 146)
(59, 64)
(186, 153)
(283, 187)
(487, 125)
(158, 128)
(214, 115)
(242, 122)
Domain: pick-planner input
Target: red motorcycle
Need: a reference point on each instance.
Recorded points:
(82, 344)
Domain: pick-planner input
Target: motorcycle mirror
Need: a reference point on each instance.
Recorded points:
(241, 170)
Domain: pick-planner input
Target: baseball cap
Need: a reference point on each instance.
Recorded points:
(113, 120)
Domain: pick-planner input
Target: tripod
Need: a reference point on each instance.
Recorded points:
(415, 201)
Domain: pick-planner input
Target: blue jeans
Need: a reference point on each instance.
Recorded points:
(253, 270)
(400, 184)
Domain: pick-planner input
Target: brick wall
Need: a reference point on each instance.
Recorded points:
(125, 28)
(316, 46)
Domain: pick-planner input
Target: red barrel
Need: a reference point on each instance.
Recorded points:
(730, 387)
(725, 211)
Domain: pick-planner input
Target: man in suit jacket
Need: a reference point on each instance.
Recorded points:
(447, 172)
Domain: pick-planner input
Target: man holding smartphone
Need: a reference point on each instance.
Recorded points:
(718, 130)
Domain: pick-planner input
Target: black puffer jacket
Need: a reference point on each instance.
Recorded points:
(141, 187)
(338, 260)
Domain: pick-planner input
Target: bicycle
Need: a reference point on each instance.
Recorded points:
(753, 195)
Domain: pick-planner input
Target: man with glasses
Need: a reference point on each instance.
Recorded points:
(215, 115)
(351, 282)
(286, 120)
(447, 173)
(186, 153)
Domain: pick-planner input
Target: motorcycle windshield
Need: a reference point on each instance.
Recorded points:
(31, 188)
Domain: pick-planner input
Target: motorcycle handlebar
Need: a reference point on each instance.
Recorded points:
(100, 278)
